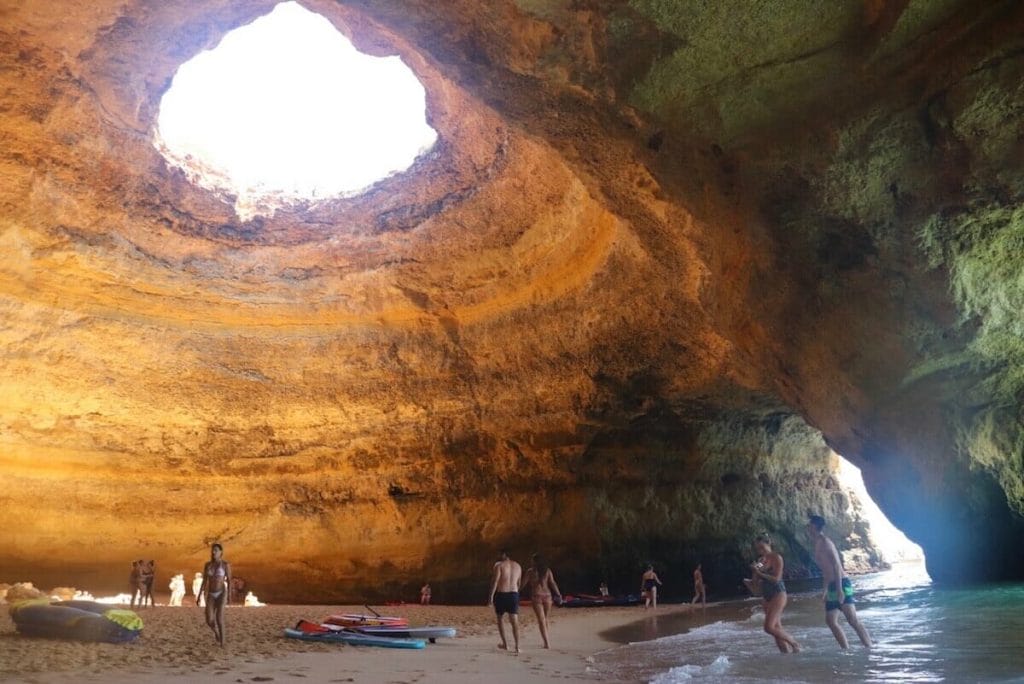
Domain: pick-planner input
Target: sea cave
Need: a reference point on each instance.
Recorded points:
(660, 266)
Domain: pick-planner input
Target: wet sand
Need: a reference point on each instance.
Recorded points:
(177, 645)
(665, 623)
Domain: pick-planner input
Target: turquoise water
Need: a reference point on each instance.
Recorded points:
(921, 634)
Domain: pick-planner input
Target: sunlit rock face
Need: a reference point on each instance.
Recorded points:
(653, 258)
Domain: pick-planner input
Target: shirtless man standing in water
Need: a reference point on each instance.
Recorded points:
(505, 596)
(838, 588)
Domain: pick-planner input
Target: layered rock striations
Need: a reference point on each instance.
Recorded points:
(656, 262)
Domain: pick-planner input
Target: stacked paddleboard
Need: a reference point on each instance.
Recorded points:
(358, 620)
(368, 630)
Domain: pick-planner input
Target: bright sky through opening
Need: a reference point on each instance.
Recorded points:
(894, 546)
(286, 108)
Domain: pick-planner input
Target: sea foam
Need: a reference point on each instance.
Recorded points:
(682, 673)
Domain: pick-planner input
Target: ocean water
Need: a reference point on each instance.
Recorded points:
(922, 634)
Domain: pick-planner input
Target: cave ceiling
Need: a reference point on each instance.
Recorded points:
(655, 243)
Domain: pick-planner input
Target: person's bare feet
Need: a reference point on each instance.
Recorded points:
(503, 647)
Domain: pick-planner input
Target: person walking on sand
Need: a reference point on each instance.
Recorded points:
(838, 590)
(425, 594)
(543, 590)
(699, 590)
(216, 589)
(773, 593)
(649, 584)
(504, 597)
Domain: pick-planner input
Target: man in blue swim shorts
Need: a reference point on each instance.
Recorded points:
(838, 588)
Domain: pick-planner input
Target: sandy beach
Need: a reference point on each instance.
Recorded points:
(176, 645)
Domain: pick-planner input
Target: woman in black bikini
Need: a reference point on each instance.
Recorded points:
(541, 582)
(649, 584)
(773, 593)
(216, 588)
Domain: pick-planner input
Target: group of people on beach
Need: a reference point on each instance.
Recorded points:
(837, 588)
(509, 581)
(213, 590)
(140, 582)
(649, 583)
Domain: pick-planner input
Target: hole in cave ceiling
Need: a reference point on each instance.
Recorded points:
(286, 110)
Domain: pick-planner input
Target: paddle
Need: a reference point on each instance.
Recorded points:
(371, 610)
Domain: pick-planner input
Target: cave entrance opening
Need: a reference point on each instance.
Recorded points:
(285, 110)
(892, 544)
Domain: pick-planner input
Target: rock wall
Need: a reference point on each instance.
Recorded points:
(656, 250)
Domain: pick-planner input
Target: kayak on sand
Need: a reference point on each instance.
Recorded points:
(77, 620)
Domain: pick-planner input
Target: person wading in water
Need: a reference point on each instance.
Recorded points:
(773, 593)
(838, 590)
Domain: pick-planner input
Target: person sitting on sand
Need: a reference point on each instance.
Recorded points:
(425, 594)
(539, 581)
(773, 591)
(699, 590)
(838, 590)
(216, 589)
(505, 597)
(649, 584)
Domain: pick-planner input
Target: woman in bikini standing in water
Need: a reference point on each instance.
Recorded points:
(773, 592)
(542, 583)
(649, 584)
(216, 588)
